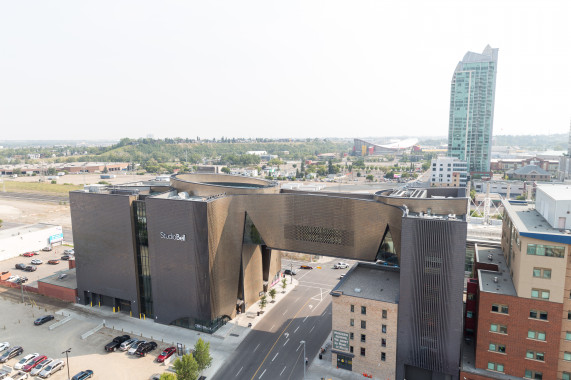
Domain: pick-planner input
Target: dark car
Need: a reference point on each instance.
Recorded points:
(30, 268)
(44, 319)
(306, 267)
(83, 375)
(21, 266)
(21, 280)
(65, 257)
(290, 272)
(11, 353)
(110, 347)
(167, 353)
(145, 348)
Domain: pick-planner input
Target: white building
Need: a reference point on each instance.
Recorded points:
(18, 240)
(448, 172)
(553, 202)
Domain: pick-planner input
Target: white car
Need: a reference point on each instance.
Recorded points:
(25, 360)
(19, 376)
(40, 367)
(52, 368)
(4, 346)
(135, 346)
(37, 261)
(128, 344)
(13, 278)
(341, 265)
(69, 252)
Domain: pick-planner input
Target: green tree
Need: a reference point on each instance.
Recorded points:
(225, 169)
(202, 355)
(186, 368)
(426, 166)
(330, 167)
(284, 281)
(472, 194)
(1, 221)
(390, 175)
(263, 301)
(168, 376)
(273, 293)
(370, 177)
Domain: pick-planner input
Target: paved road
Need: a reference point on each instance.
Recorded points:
(67, 234)
(272, 350)
(36, 197)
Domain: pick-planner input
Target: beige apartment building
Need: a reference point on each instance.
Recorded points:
(364, 321)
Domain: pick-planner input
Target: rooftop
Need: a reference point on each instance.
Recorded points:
(491, 281)
(557, 192)
(530, 223)
(370, 281)
(64, 278)
(21, 230)
(528, 170)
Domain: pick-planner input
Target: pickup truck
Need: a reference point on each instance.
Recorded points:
(110, 347)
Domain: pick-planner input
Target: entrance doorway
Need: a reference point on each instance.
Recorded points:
(344, 362)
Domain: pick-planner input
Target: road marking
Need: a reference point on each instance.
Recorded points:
(305, 318)
(320, 283)
(297, 328)
(312, 328)
(286, 342)
(256, 347)
(262, 374)
(285, 328)
(284, 312)
(277, 353)
(239, 371)
(298, 347)
(271, 328)
(283, 370)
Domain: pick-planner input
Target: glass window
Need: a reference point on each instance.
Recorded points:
(383, 356)
(536, 272)
(566, 376)
(542, 273)
(383, 342)
(351, 349)
(545, 250)
(352, 308)
(567, 356)
(363, 338)
(363, 324)
(530, 354)
(469, 314)
(362, 351)
(351, 322)
(494, 328)
(492, 347)
(529, 374)
(384, 328)
(568, 335)
(363, 309)
(384, 313)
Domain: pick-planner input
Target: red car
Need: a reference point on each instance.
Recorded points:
(30, 366)
(306, 267)
(28, 254)
(167, 353)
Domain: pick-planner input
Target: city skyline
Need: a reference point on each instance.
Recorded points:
(107, 70)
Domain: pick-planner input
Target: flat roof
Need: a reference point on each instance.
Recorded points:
(530, 223)
(487, 278)
(370, 281)
(557, 192)
(22, 230)
(69, 281)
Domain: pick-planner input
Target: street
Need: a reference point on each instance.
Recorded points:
(273, 349)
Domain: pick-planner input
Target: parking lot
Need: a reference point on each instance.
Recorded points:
(43, 270)
(17, 328)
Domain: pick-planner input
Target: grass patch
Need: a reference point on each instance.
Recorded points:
(39, 187)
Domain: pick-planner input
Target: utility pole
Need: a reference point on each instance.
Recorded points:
(291, 272)
(67, 360)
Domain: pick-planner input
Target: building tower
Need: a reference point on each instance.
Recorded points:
(472, 94)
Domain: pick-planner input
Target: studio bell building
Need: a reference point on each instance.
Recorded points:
(196, 251)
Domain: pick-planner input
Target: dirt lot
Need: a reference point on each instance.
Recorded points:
(79, 179)
(31, 212)
(17, 328)
(43, 270)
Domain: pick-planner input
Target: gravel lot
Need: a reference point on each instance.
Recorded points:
(17, 327)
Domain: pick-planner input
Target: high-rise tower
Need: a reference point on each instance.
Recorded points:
(472, 94)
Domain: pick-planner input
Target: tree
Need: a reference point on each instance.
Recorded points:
(168, 376)
(472, 194)
(186, 368)
(284, 284)
(202, 355)
(273, 293)
(370, 177)
(1, 221)
(330, 167)
(225, 169)
(263, 301)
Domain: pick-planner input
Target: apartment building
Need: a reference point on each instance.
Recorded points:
(448, 172)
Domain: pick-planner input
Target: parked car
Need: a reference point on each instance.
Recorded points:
(65, 257)
(31, 365)
(40, 367)
(37, 262)
(83, 375)
(306, 267)
(53, 262)
(4, 346)
(167, 353)
(25, 360)
(11, 353)
(28, 254)
(290, 272)
(341, 277)
(69, 252)
(128, 344)
(110, 347)
(135, 346)
(5, 371)
(44, 319)
(52, 368)
(145, 348)
(12, 278)
(30, 268)
(21, 280)
(47, 249)
(19, 376)
(341, 265)
(20, 266)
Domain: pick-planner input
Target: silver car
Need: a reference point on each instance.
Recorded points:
(52, 368)
(135, 346)
(35, 371)
(4, 346)
(128, 344)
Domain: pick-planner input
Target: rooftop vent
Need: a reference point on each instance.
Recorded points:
(357, 290)
(495, 279)
(490, 257)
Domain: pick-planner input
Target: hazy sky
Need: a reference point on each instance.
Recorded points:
(111, 69)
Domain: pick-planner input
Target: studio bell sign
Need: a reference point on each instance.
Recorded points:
(178, 237)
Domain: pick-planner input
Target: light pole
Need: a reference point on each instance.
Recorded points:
(304, 358)
(67, 360)
(291, 272)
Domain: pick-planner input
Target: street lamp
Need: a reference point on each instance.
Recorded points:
(67, 360)
(304, 358)
(291, 272)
